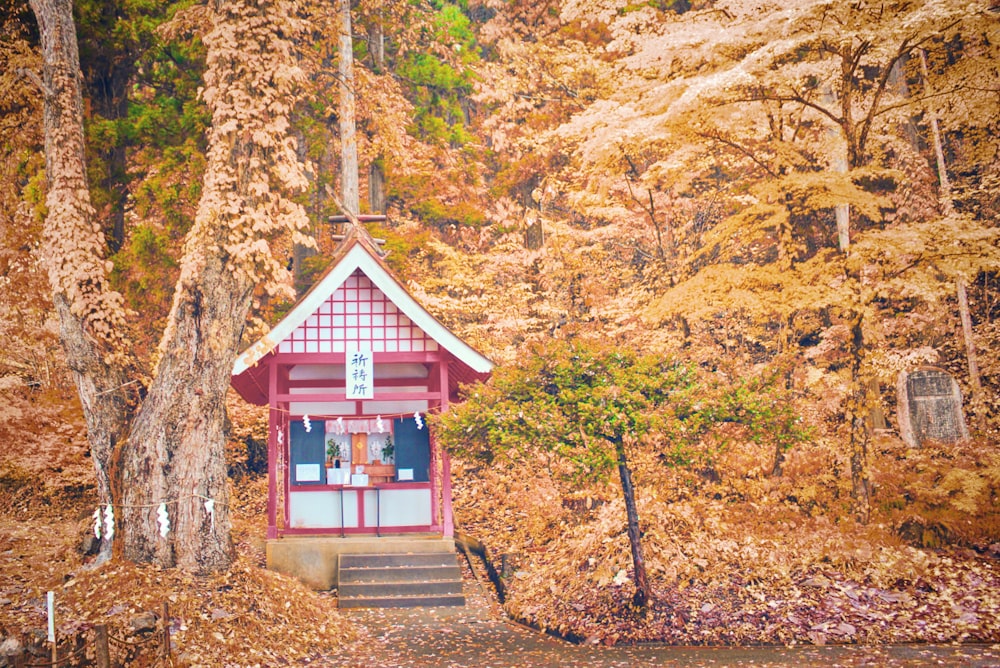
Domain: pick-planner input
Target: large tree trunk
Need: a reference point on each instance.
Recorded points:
(173, 460)
(348, 127)
(177, 444)
(179, 431)
(643, 593)
(90, 315)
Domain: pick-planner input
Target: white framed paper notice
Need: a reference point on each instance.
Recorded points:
(307, 472)
(404, 474)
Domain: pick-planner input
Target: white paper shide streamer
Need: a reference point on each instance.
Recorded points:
(97, 523)
(109, 522)
(163, 520)
(419, 420)
(306, 423)
(210, 510)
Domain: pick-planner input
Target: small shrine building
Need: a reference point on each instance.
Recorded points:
(349, 375)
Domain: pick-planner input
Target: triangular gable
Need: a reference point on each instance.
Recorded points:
(359, 257)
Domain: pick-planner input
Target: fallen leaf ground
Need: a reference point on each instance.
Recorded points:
(250, 616)
(476, 635)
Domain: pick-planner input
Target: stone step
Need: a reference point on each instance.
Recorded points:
(399, 574)
(399, 580)
(401, 601)
(402, 559)
(383, 589)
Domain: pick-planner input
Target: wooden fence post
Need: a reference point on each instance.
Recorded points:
(102, 655)
(166, 630)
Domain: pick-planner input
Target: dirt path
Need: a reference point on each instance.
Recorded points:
(479, 636)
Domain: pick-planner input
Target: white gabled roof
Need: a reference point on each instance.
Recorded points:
(358, 256)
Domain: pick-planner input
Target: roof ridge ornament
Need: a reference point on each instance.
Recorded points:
(354, 225)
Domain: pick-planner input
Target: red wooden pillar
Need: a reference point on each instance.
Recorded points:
(448, 520)
(273, 427)
(435, 504)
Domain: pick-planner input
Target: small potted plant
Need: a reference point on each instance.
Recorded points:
(332, 452)
(333, 463)
(388, 450)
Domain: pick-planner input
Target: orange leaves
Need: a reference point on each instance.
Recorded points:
(252, 83)
(734, 561)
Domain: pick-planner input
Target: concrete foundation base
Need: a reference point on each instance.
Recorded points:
(313, 559)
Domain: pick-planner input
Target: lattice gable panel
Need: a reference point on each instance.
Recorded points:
(359, 313)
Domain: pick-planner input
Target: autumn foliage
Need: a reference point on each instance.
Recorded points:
(747, 218)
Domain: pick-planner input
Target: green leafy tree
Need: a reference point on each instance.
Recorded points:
(586, 405)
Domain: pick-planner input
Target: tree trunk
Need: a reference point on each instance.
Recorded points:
(643, 593)
(859, 406)
(177, 444)
(960, 289)
(178, 434)
(376, 170)
(975, 383)
(174, 458)
(348, 128)
(376, 186)
(90, 315)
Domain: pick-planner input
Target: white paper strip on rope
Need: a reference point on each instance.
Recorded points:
(379, 425)
(210, 509)
(341, 429)
(419, 420)
(306, 423)
(163, 519)
(109, 522)
(97, 523)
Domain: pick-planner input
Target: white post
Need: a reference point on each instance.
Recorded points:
(51, 609)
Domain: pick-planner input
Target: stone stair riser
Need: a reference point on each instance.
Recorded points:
(379, 589)
(402, 601)
(399, 574)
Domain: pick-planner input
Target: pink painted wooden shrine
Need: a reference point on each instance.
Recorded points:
(349, 375)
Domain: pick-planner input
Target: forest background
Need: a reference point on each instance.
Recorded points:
(794, 201)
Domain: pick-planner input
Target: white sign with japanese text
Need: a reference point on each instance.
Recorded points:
(360, 380)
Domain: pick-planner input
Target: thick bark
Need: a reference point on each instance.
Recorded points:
(174, 454)
(177, 440)
(99, 370)
(348, 128)
(105, 397)
(180, 453)
(643, 593)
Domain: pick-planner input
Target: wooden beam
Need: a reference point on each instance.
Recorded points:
(339, 382)
(425, 357)
(342, 396)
